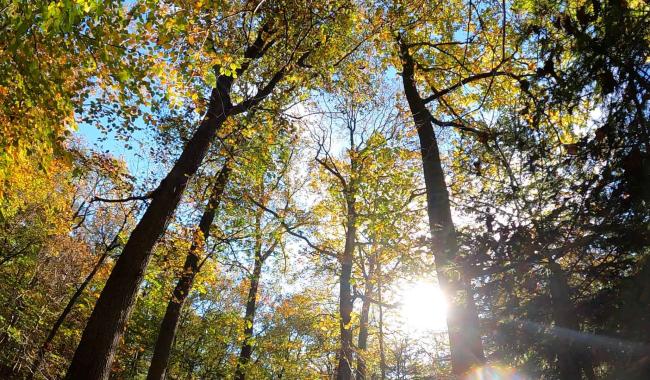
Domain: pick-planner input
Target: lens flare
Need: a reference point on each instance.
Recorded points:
(495, 372)
(424, 307)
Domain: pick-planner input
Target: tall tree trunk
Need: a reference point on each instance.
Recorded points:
(94, 355)
(251, 308)
(344, 368)
(569, 358)
(382, 353)
(462, 319)
(68, 308)
(169, 324)
(362, 342)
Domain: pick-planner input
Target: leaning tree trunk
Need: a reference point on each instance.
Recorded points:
(249, 318)
(94, 355)
(462, 319)
(344, 368)
(169, 324)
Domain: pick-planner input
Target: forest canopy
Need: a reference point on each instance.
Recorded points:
(309, 189)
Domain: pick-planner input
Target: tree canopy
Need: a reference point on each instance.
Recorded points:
(281, 189)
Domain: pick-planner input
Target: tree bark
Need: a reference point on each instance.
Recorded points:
(249, 319)
(344, 369)
(94, 355)
(462, 319)
(169, 324)
(382, 353)
(251, 301)
(362, 344)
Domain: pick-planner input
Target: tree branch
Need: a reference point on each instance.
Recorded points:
(290, 229)
(470, 79)
(127, 199)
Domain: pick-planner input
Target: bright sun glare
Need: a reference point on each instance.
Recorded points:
(424, 307)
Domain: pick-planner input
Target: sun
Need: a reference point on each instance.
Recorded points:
(423, 307)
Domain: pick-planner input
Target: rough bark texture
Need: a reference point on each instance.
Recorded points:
(169, 324)
(462, 319)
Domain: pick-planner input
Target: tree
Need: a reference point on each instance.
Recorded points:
(267, 182)
(71, 236)
(190, 268)
(604, 71)
(96, 348)
(564, 149)
(271, 222)
(429, 54)
(354, 182)
(106, 249)
(43, 85)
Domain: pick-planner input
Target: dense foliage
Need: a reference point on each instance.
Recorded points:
(283, 189)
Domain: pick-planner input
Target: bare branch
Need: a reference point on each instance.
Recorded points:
(290, 229)
(127, 199)
(467, 80)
